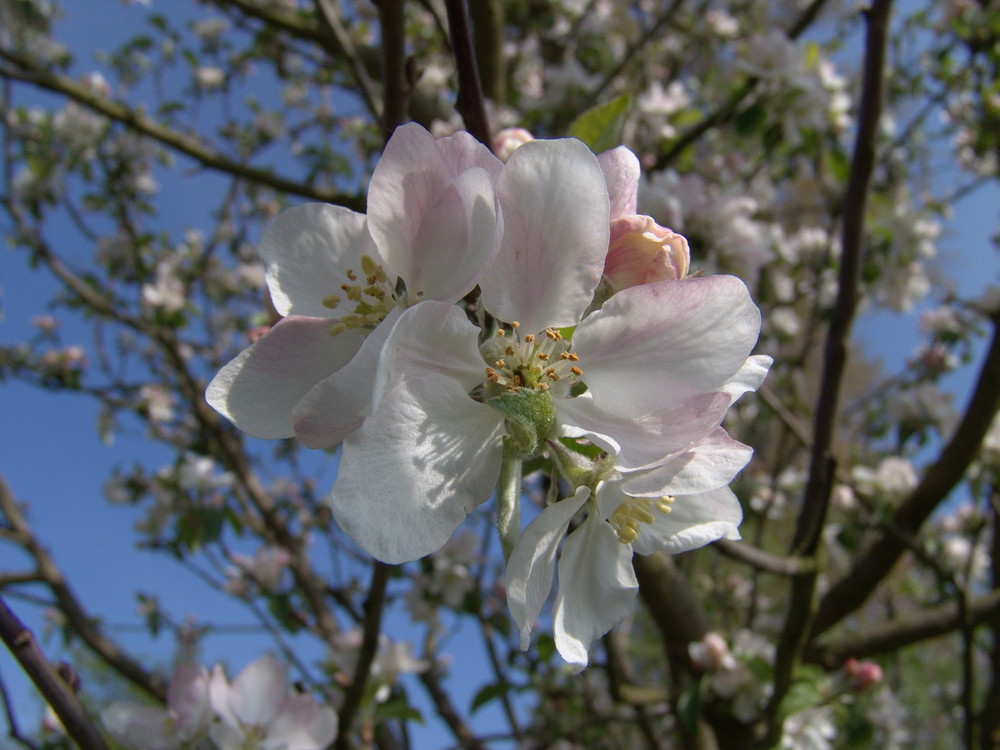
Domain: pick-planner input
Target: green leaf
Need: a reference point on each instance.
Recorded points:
(488, 693)
(600, 127)
(397, 708)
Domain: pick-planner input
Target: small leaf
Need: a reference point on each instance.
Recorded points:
(398, 708)
(600, 127)
(488, 693)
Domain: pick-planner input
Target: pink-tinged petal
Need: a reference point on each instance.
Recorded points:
(693, 521)
(649, 438)
(555, 214)
(139, 727)
(712, 463)
(307, 251)
(656, 345)
(597, 589)
(258, 691)
(188, 699)
(454, 239)
(621, 172)
(749, 378)
(258, 390)
(426, 457)
(643, 252)
(532, 563)
(337, 405)
(302, 725)
(462, 151)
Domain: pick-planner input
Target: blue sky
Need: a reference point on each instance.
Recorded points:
(53, 459)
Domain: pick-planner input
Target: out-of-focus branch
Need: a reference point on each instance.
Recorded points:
(889, 637)
(185, 144)
(13, 726)
(395, 87)
(728, 109)
(431, 680)
(822, 464)
(874, 564)
(371, 629)
(327, 11)
(69, 605)
(470, 103)
(765, 561)
(71, 713)
(488, 32)
(989, 729)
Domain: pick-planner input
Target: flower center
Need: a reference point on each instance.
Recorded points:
(371, 294)
(532, 361)
(634, 511)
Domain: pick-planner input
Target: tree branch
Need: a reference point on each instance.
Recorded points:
(186, 145)
(470, 103)
(870, 569)
(889, 637)
(372, 627)
(822, 464)
(71, 713)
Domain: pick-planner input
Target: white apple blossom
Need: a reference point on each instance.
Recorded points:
(185, 718)
(655, 360)
(255, 712)
(433, 223)
(679, 505)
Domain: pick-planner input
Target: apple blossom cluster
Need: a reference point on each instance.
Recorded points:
(589, 346)
(253, 712)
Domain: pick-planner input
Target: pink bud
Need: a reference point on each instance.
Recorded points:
(642, 252)
(509, 139)
(863, 674)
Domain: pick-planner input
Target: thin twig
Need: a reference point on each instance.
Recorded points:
(469, 103)
(371, 628)
(71, 713)
(187, 145)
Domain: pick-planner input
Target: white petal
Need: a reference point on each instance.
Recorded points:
(694, 521)
(461, 151)
(433, 337)
(307, 251)
(710, 464)
(556, 232)
(258, 691)
(416, 200)
(259, 388)
(218, 694)
(456, 237)
(621, 172)
(646, 439)
(749, 377)
(425, 458)
(338, 404)
(532, 562)
(597, 588)
(139, 727)
(187, 698)
(653, 346)
(302, 725)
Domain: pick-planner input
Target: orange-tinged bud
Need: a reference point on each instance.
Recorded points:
(642, 252)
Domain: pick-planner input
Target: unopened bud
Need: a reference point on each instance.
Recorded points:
(643, 252)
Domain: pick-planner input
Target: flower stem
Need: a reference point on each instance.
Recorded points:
(509, 504)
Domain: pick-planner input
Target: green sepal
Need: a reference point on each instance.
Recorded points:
(531, 418)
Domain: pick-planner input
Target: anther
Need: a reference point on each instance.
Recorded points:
(331, 301)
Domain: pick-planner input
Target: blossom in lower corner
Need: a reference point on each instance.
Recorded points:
(255, 712)
(679, 505)
(185, 718)
(336, 276)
